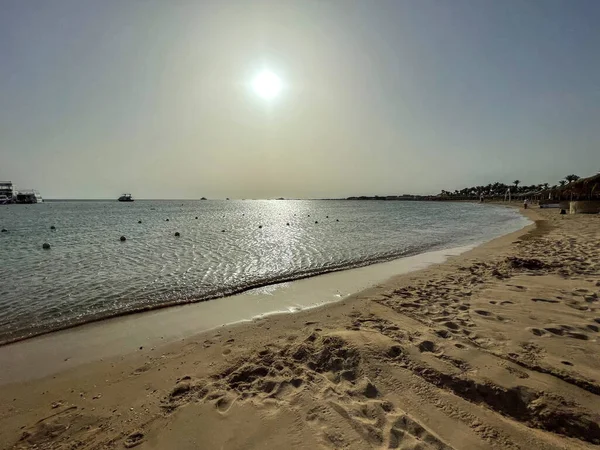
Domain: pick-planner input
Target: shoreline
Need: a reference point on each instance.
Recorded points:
(93, 341)
(210, 297)
(491, 348)
(18, 337)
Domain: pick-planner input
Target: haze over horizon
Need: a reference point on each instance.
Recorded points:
(164, 99)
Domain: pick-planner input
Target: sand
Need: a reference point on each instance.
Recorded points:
(495, 348)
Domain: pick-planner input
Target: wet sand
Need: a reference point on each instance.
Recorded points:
(495, 348)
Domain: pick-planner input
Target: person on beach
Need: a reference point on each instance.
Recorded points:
(525, 204)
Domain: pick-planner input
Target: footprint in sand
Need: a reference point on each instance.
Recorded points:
(133, 439)
(555, 331)
(483, 312)
(538, 332)
(451, 325)
(506, 302)
(580, 336)
(427, 346)
(407, 433)
(593, 328)
(544, 300)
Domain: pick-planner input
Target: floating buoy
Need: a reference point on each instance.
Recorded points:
(337, 220)
(222, 231)
(196, 217)
(260, 226)
(309, 215)
(316, 221)
(166, 220)
(327, 217)
(288, 224)
(46, 246)
(139, 221)
(53, 227)
(177, 234)
(123, 238)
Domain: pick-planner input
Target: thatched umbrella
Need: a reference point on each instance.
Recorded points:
(582, 189)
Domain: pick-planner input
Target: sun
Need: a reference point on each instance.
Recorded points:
(267, 85)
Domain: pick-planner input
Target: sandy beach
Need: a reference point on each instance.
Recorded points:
(494, 348)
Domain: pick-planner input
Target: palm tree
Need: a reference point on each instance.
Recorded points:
(545, 185)
(571, 178)
(562, 182)
(516, 183)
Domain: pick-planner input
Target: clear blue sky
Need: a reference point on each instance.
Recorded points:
(153, 97)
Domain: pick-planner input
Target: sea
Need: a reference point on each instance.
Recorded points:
(223, 248)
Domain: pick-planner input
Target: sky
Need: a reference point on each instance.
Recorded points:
(378, 97)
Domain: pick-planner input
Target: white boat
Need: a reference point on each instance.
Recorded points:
(125, 198)
(8, 194)
(29, 196)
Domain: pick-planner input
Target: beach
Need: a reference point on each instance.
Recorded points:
(496, 347)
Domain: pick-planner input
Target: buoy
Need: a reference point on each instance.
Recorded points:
(309, 215)
(177, 234)
(4, 230)
(260, 226)
(337, 220)
(316, 221)
(288, 224)
(123, 238)
(222, 231)
(53, 227)
(139, 221)
(327, 217)
(166, 220)
(196, 217)
(46, 246)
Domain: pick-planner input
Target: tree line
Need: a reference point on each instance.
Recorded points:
(499, 189)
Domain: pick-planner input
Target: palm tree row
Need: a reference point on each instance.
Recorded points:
(498, 189)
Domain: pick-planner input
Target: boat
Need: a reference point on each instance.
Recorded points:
(29, 196)
(8, 193)
(126, 198)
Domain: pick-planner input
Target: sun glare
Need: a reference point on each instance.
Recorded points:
(267, 85)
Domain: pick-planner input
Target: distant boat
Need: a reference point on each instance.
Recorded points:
(8, 193)
(29, 196)
(126, 198)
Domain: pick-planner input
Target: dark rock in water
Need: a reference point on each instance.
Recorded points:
(46, 246)
(4, 230)
(177, 234)
(123, 238)
(53, 227)
(139, 221)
